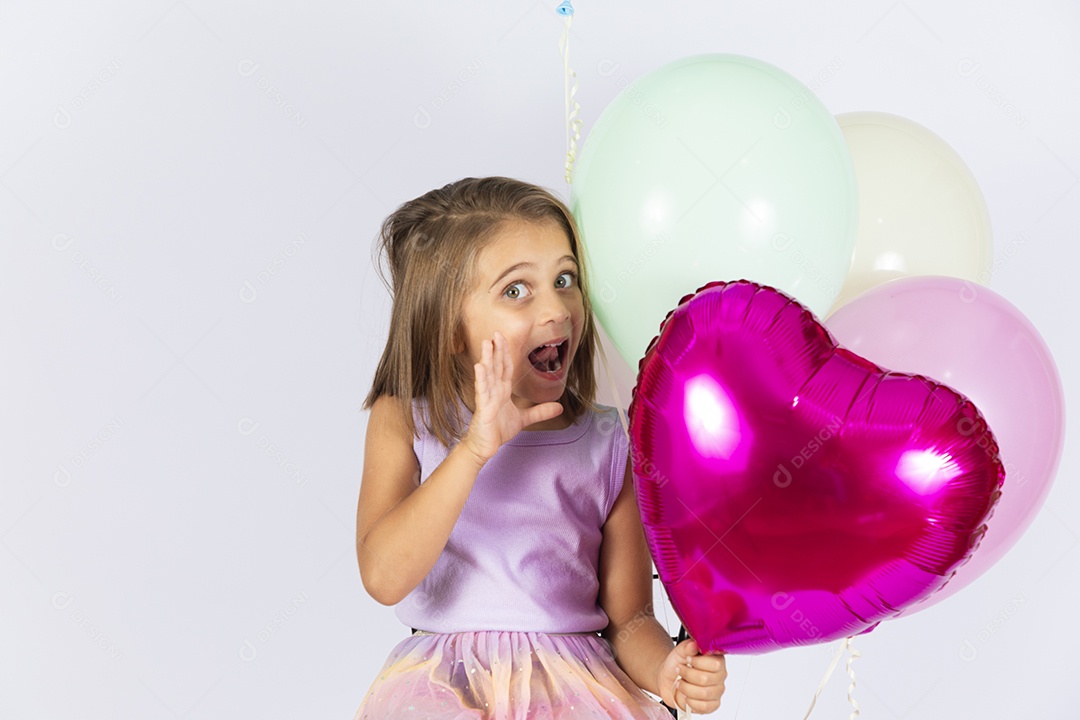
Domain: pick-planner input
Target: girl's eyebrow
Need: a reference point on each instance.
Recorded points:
(514, 268)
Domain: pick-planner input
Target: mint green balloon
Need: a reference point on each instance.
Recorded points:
(713, 167)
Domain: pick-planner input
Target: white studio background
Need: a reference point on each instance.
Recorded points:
(189, 192)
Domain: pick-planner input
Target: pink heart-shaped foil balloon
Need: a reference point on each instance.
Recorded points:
(791, 491)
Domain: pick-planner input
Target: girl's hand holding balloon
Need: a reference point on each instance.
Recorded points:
(496, 418)
(691, 681)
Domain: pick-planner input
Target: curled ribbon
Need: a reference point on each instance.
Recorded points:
(847, 644)
(573, 122)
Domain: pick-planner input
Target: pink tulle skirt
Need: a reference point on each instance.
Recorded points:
(505, 675)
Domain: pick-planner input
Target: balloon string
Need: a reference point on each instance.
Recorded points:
(681, 713)
(851, 674)
(573, 122)
(742, 693)
(828, 673)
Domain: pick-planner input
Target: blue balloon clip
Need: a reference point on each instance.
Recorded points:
(565, 8)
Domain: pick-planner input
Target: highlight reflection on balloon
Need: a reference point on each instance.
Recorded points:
(925, 471)
(791, 491)
(710, 418)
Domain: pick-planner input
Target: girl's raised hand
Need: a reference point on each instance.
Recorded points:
(496, 418)
(692, 681)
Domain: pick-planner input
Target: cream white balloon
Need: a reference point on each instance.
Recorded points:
(921, 212)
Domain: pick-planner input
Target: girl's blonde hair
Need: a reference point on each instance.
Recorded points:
(432, 244)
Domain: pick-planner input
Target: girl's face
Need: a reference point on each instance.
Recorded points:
(527, 289)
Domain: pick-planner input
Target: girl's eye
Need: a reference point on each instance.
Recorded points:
(570, 282)
(511, 291)
(565, 280)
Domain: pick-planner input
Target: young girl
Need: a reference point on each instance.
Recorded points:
(497, 510)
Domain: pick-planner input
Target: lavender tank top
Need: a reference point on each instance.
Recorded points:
(524, 553)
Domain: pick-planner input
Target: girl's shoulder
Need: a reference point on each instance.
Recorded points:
(390, 408)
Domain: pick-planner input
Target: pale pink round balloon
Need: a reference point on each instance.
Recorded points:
(975, 341)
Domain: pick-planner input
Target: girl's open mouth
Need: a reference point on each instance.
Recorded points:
(549, 361)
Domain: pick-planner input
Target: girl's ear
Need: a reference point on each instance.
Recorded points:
(460, 335)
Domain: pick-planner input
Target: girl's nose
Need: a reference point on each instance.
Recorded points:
(555, 309)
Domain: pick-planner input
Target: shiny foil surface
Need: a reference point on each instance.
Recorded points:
(791, 491)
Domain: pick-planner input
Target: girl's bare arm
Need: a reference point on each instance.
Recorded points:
(401, 525)
(642, 646)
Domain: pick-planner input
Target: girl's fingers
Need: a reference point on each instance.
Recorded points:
(680, 704)
(711, 663)
(484, 371)
(478, 372)
(692, 677)
(709, 690)
(507, 365)
(544, 411)
(496, 365)
(502, 366)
